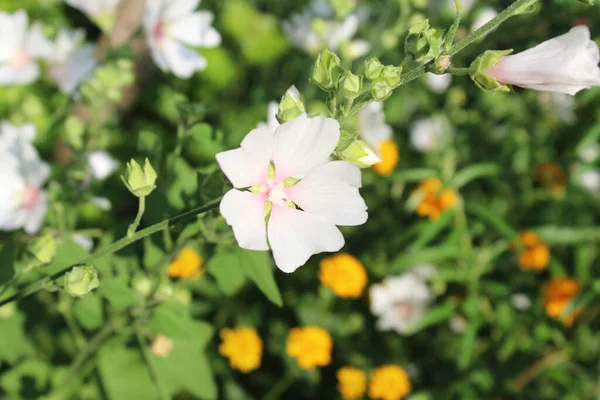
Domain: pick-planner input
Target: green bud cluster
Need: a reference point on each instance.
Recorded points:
(423, 43)
(384, 78)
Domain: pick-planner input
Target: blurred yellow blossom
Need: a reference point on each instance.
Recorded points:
(535, 254)
(243, 347)
(344, 274)
(552, 177)
(433, 199)
(188, 264)
(389, 382)
(310, 345)
(390, 155)
(352, 383)
(162, 346)
(558, 293)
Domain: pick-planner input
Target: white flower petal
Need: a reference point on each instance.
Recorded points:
(303, 144)
(244, 212)
(182, 60)
(196, 30)
(21, 76)
(101, 164)
(331, 190)
(296, 235)
(248, 165)
(35, 216)
(177, 8)
(373, 129)
(37, 44)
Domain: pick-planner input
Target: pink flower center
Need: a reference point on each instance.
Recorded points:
(19, 59)
(404, 310)
(276, 194)
(159, 31)
(31, 197)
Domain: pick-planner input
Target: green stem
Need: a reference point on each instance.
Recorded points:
(458, 71)
(28, 268)
(162, 390)
(113, 248)
(514, 9)
(281, 387)
(136, 222)
(452, 31)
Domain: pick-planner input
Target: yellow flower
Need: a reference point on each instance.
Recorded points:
(433, 200)
(558, 293)
(352, 383)
(243, 347)
(310, 345)
(344, 275)
(535, 255)
(188, 264)
(389, 382)
(390, 155)
(552, 177)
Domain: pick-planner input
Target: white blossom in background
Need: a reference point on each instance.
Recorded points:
(101, 164)
(590, 153)
(564, 64)
(20, 48)
(71, 61)
(590, 180)
(520, 301)
(400, 301)
(467, 5)
(438, 83)
(102, 12)
(561, 105)
(173, 28)
(327, 195)
(372, 126)
(458, 324)
(429, 134)
(313, 31)
(484, 16)
(23, 203)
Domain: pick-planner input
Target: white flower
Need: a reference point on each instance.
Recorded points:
(458, 324)
(100, 11)
(172, 29)
(438, 83)
(400, 301)
(520, 301)
(483, 17)
(20, 48)
(23, 203)
(565, 64)
(101, 164)
(71, 62)
(590, 152)
(326, 196)
(373, 129)
(590, 180)
(560, 104)
(429, 134)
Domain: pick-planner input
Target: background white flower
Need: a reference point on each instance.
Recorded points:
(101, 164)
(23, 203)
(567, 64)
(484, 16)
(373, 129)
(71, 61)
(400, 301)
(172, 29)
(20, 47)
(102, 12)
(438, 83)
(429, 134)
(326, 196)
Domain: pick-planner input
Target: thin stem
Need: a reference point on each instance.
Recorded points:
(452, 31)
(512, 10)
(113, 248)
(136, 222)
(162, 390)
(28, 268)
(458, 71)
(281, 387)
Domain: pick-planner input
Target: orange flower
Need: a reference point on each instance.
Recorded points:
(310, 345)
(558, 294)
(389, 382)
(188, 264)
(433, 199)
(344, 274)
(390, 155)
(535, 255)
(551, 176)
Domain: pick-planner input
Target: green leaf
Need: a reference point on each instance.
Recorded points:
(414, 174)
(565, 235)
(257, 266)
(153, 254)
(173, 320)
(186, 367)
(7, 261)
(430, 230)
(12, 332)
(88, 312)
(184, 185)
(117, 292)
(432, 254)
(124, 374)
(68, 253)
(473, 172)
(18, 380)
(492, 218)
(435, 315)
(226, 270)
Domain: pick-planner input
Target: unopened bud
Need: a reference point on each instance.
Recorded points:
(423, 43)
(352, 85)
(360, 153)
(140, 182)
(373, 68)
(327, 71)
(479, 67)
(80, 281)
(290, 106)
(391, 75)
(380, 90)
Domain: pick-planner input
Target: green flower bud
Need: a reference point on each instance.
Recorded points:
(164, 291)
(360, 153)
(352, 85)
(44, 248)
(139, 182)
(142, 285)
(80, 281)
(391, 75)
(373, 68)
(482, 64)
(423, 43)
(290, 106)
(380, 90)
(327, 71)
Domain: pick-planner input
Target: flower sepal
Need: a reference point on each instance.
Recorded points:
(482, 64)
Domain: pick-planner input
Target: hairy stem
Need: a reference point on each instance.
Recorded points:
(133, 227)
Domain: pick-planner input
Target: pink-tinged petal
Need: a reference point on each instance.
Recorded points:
(296, 235)
(177, 8)
(21, 76)
(38, 44)
(35, 216)
(331, 190)
(244, 212)
(196, 30)
(248, 165)
(182, 60)
(303, 144)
